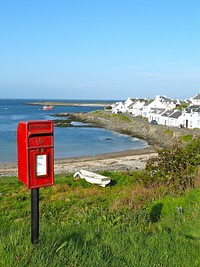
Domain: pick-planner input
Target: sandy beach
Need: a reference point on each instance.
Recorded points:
(118, 161)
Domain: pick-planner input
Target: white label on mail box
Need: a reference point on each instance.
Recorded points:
(41, 165)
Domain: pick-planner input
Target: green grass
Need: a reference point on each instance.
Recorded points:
(168, 132)
(187, 137)
(84, 225)
(121, 117)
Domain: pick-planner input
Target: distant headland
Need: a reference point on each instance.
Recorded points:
(83, 104)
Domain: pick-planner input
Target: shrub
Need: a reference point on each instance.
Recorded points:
(176, 167)
(187, 137)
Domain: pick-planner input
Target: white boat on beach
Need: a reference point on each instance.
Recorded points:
(92, 177)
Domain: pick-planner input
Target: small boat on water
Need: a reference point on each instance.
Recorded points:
(92, 177)
(48, 107)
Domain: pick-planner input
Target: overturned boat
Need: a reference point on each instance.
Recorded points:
(92, 177)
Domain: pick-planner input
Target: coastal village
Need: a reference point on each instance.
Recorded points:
(163, 110)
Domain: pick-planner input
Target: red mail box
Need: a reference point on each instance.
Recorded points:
(35, 145)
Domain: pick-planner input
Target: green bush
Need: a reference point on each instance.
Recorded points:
(175, 167)
(187, 138)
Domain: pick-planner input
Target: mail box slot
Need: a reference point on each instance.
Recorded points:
(35, 145)
(40, 141)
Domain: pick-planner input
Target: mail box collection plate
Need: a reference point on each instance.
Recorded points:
(34, 128)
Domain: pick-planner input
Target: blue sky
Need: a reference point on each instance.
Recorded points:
(99, 49)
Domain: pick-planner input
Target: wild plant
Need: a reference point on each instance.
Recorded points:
(175, 167)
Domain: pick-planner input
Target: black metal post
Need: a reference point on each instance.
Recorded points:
(34, 215)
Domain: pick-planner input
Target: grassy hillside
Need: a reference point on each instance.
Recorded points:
(143, 218)
(124, 224)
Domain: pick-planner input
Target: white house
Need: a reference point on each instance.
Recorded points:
(191, 117)
(136, 107)
(175, 119)
(164, 117)
(163, 110)
(117, 107)
(155, 114)
(195, 100)
(146, 108)
(156, 103)
(128, 103)
(123, 107)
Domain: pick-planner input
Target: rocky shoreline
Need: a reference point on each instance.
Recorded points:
(157, 137)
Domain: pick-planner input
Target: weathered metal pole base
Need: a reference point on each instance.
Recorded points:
(34, 215)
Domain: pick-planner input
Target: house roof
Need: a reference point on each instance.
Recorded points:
(196, 96)
(142, 99)
(192, 108)
(167, 113)
(132, 104)
(165, 99)
(148, 102)
(133, 99)
(176, 114)
(138, 99)
(157, 110)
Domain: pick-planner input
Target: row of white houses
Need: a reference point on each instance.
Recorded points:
(163, 110)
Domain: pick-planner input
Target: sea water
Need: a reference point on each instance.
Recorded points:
(68, 141)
